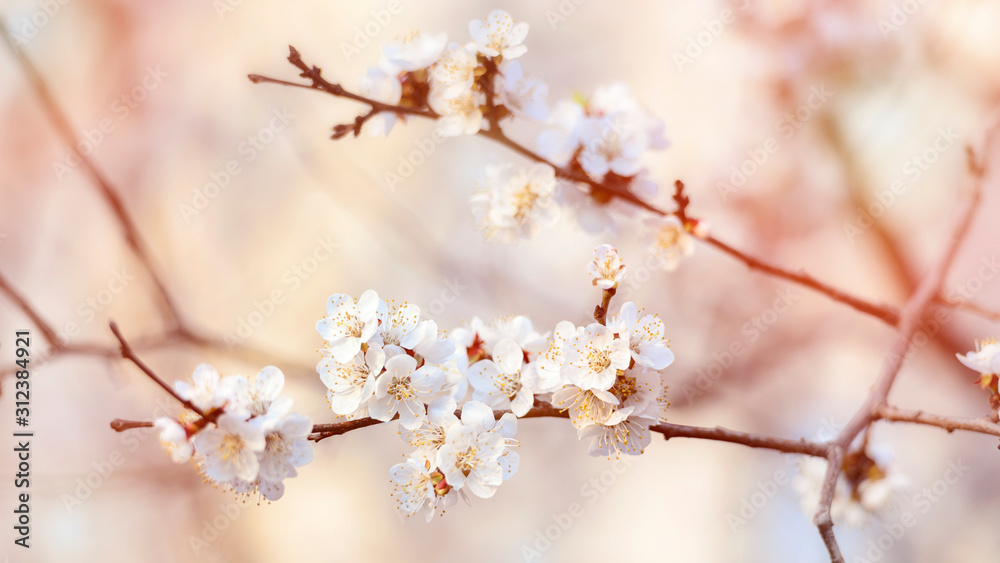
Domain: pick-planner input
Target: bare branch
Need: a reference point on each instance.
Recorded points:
(22, 303)
(130, 355)
(108, 192)
(980, 425)
(914, 311)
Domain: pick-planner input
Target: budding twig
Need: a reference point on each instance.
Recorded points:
(601, 311)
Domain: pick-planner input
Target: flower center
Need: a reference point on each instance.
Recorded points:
(599, 360)
(466, 461)
(231, 446)
(401, 389)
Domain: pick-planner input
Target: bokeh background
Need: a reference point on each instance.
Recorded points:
(170, 78)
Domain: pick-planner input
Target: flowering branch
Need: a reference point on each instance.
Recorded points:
(666, 429)
(604, 188)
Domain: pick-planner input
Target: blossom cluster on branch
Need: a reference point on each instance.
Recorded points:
(240, 433)
(589, 152)
(383, 360)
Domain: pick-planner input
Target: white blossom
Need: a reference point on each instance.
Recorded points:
(454, 74)
(499, 35)
(403, 388)
(523, 95)
(985, 360)
(460, 115)
(349, 324)
(606, 270)
(469, 457)
(397, 325)
(644, 335)
(415, 51)
(174, 439)
(286, 446)
(594, 357)
(208, 389)
(669, 241)
(430, 435)
(261, 398)
(548, 365)
(515, 203)
(499, 383)
(420, 488)
(229, 450)
(350, 385)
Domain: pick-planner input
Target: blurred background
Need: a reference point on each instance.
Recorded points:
(857, 97)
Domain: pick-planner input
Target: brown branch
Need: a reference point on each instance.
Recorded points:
(601, 311)
(668, 430)
(36, 319)
(130, 355)
(120, 425)
(895, 414)
(969, 307)
(884, 313)
(110, 194)
(914, 311)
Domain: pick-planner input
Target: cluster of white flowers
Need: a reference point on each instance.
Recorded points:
(425, 70)
(382, 360)
(866, 488)
(603, 138)
(249, 442)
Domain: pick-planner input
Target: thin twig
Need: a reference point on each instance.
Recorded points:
(979, 425)
(884, 313)
(130, 355)
(22, 303)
